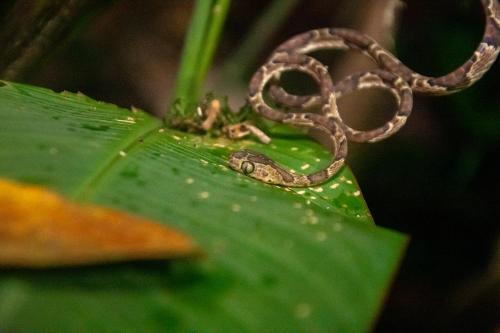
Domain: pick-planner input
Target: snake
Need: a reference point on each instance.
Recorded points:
(391, 74)
(262, 168)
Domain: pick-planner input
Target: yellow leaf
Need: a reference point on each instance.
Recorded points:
(39, 228)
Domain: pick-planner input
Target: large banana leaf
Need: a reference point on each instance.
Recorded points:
(276, 259)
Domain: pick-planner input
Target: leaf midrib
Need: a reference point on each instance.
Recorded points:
(85, 190)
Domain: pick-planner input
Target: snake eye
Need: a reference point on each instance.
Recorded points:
(247, 167)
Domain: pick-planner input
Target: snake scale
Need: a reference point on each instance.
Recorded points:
(391, 75)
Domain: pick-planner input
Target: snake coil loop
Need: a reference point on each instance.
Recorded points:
(392, 75)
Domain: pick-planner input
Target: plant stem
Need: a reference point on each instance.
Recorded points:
(219, 12)
(192, 49)
(199, 48)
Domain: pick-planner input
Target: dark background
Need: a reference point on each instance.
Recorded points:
(437, 180)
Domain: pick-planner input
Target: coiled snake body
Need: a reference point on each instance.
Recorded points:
(392, 75)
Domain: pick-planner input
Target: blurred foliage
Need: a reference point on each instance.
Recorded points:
(444, 177)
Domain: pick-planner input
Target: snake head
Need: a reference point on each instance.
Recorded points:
(243, 161)
(259, 167)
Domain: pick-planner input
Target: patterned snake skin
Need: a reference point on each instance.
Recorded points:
(392, 75)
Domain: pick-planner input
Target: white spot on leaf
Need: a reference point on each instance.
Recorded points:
(302, 310)
(223, 167)
(204, 195)
(321, 236)
(126, 121)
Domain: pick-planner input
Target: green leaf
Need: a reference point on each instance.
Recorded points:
(276, 259)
